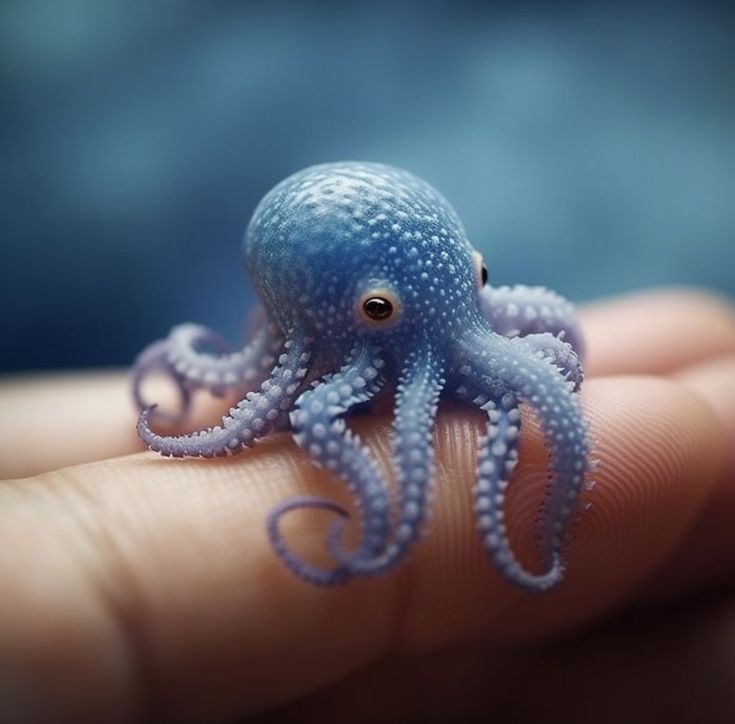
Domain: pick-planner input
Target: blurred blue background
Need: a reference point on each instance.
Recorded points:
(587, 147)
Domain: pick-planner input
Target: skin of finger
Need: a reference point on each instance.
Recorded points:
(657, 332)
(707, 557)
(57, 641)
(668, 666)
(212, 626)
(49, 423)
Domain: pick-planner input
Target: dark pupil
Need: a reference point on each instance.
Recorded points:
(483, 275)
(377, 308)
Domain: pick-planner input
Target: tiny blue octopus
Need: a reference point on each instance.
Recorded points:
(368, 282)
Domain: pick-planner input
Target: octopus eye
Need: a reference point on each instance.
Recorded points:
(481, 274)
(378, 308)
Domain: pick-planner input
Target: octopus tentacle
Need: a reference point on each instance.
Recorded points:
(154, 357)
(320, 430)
(253, 416)
(510, 374)
(521, 310)
(219, 373)
(304, 570)
(181, 358)
(417, 398)
(559, 353)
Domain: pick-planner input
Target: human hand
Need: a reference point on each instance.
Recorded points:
(137, 588)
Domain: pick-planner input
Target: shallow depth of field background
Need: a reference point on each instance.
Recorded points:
(586, 147)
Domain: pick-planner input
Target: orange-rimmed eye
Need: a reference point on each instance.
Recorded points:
(378, 306)
(480, 269)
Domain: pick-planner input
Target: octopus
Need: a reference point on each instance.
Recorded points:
(369, 287)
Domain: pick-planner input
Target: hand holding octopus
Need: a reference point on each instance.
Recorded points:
(369, 283)
(134, 588)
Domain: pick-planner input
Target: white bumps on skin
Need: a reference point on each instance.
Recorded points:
(317, 243)
(253, 417)
(226, 369)
(417, 399)
(524, 310)
(318, 429)
(538, 383)
(558, 353)
(181, 357)
(318, 239)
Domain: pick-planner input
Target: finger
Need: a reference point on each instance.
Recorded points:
(50, 422)
(656, 332)
(707, 556)
(162, 569)
(714, 381)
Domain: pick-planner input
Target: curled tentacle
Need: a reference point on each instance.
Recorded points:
(559, 353)
(182, 357)
(509, 373)
(252, 418)
(304, 570)
(155, 357)
(320, 430)
(521, 310)
(229, 369)
(417, 397)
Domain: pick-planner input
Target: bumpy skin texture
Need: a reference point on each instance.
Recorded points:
(319, 246)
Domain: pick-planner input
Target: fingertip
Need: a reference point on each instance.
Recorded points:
(713, 381)
(660, 450)
(657, 332)
(53, 421)
(706, 559)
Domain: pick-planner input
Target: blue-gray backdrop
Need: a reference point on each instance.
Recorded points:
(588, 147)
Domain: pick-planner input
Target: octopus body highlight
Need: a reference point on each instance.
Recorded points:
(368, 283)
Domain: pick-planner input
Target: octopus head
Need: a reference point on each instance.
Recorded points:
(348, 249)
